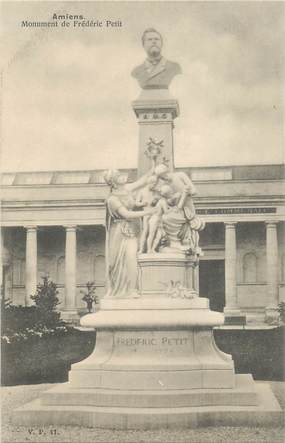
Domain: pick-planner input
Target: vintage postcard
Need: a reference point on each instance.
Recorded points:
(142, 221)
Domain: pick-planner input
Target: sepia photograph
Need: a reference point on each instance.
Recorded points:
(142, 221)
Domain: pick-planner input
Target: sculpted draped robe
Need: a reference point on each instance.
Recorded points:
(122, 246)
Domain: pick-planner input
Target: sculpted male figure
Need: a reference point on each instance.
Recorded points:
(156, 72)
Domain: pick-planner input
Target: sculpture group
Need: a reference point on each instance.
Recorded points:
(152, 215)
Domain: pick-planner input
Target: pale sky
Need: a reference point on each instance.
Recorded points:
(67, 92)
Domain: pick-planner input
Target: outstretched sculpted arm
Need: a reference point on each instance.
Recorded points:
(182, 199)
(140, 182)
(188, 183)
(130, 215)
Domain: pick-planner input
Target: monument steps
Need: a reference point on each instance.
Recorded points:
(143, 379)
(153, 366)
(244, 394)
(267, 413)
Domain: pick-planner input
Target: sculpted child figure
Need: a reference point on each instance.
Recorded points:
(146, 198)
(169, 201)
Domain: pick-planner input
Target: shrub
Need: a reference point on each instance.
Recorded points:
(37, 346)
(258, 352)
(46, 301)
(17, 318)
(20, 323)
(46, 358)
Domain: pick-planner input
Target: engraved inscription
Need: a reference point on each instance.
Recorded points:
(236, 211)
(162, 341)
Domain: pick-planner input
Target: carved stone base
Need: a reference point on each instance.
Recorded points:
(160, 274)
(148, 373)
(155, 364)
(155, 360)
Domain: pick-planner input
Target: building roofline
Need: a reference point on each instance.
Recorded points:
(96, 176)
(70, 171)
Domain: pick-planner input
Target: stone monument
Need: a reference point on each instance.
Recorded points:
(155, 363)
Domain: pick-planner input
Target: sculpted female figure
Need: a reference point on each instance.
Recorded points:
(122, 233)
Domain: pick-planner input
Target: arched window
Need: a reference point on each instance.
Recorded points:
(283, 269)
(99, 269)
(18, 272)
(60, 271)
(45, 265)
(249, 268)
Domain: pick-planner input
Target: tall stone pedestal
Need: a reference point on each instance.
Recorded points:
(155, 111)
(155, 364)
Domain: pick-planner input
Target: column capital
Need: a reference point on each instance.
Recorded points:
(31, 227)
(71, 227)
(271, 223)
(230, 225)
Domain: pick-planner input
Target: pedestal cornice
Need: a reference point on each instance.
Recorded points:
(156, 105)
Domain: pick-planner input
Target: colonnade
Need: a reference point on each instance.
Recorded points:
(70, 265)
(231, 301)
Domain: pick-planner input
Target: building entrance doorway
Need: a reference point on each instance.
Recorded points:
(212, 283)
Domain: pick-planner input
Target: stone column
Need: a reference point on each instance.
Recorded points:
(272, 269)
(231, 310)
(70, 269)
(31, 263)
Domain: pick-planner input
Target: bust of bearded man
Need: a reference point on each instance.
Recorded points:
(156, 72)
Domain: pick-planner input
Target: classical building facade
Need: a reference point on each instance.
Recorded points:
(53, 223)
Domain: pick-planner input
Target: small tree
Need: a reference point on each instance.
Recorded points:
(89, 295)
(46, 300)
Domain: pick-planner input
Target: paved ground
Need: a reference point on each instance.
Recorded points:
(15, 396)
